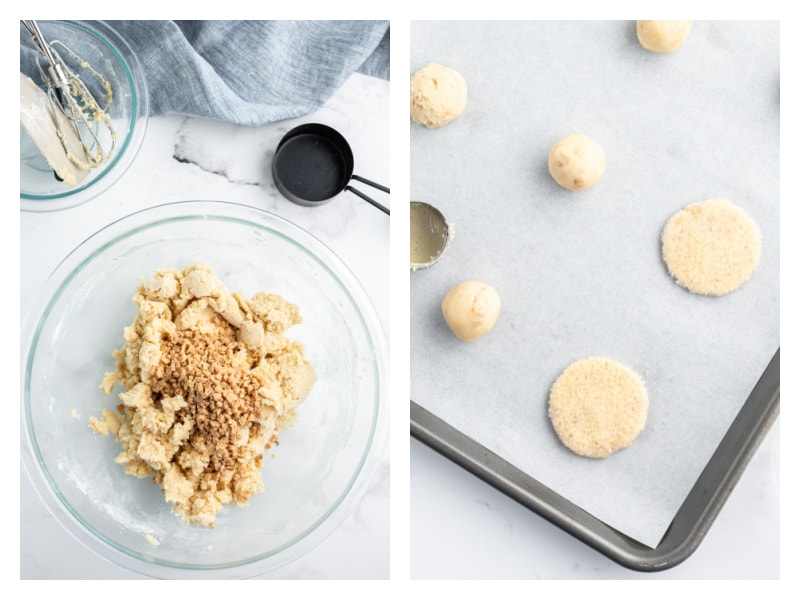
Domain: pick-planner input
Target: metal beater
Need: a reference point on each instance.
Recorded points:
(69, 94)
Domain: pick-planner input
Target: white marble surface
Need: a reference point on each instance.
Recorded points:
(193, 159)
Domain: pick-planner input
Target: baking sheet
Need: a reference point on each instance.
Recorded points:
(580, 274)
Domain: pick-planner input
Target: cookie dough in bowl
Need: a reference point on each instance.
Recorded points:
(325, 461)
(711, 247)
(662, 36)
(597, 407)
(210, 379)
(576, 162)
(438, 95)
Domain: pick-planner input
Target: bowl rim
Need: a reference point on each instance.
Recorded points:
(81, 256)
(137, 124)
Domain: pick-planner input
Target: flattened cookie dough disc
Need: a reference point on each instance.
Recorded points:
(438, 95)
(711, 247)
(598, 406)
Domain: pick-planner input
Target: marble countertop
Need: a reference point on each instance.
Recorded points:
(194, 159)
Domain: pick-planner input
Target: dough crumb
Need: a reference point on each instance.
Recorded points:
(438, 95)
(597, 407)
(471, 309)
(209, 382)
(711, 247)
(576, 162)
(151, 540)
(662, 36)
(107, 424)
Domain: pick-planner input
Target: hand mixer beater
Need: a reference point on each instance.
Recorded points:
(81, 123)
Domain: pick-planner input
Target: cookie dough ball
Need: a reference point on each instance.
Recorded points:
(438, 95)
(662, 36)
(470, 309)
(577, 162)
(598, 406)
(711, 247)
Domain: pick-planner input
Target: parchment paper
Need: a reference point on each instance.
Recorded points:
(580, 273)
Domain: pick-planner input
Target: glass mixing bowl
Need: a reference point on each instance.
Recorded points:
(323, 462)
(101, 47)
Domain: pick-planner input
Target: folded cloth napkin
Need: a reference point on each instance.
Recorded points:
(252, 72)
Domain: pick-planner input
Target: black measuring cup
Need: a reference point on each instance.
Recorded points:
(313, 163)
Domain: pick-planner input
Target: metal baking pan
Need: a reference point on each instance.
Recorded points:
(691, 522)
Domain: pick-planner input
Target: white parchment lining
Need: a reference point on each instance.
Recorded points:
(580, 274)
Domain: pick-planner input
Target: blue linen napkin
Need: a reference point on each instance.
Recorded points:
(252, 72)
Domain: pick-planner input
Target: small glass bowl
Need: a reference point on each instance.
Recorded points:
(315, 476)
(107, 52)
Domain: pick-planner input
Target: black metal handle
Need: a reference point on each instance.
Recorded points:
(363, 196)
(367, 198)
(372, 183)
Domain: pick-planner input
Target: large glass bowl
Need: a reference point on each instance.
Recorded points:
(324, 461)
(108, 53)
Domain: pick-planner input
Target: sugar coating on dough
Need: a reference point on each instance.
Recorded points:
(471, 309)
(576, 162)
(662, 36)
(598, 406)
(711, 247)
(438, 95)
